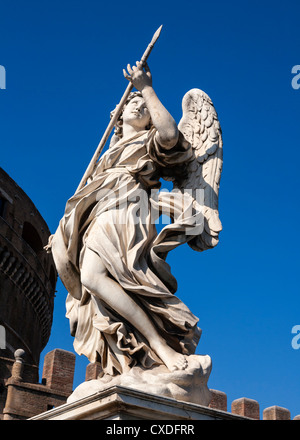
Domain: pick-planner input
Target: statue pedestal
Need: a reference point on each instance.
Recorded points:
(122, 403)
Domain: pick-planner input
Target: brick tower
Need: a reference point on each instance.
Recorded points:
(27, 290)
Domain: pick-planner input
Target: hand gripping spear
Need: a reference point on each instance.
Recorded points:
(117, 113)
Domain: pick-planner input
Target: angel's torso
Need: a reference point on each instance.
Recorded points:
(130, 157)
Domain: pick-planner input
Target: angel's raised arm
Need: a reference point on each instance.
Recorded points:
(166, 126)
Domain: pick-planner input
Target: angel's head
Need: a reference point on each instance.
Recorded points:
(134, 113)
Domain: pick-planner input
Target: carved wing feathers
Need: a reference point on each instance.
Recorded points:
(201, 128)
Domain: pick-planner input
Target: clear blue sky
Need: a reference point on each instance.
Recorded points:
(64, 62)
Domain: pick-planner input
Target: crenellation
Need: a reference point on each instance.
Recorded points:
(276, 413)
(92, 371)
(218, 400)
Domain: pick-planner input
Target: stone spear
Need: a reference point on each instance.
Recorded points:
(114, 119)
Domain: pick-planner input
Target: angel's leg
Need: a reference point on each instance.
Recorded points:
(95, 278)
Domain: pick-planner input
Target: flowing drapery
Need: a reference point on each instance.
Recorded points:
(113, 215)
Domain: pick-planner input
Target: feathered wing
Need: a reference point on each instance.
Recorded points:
(201, 128)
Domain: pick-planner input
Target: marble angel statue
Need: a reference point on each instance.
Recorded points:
(121, 301)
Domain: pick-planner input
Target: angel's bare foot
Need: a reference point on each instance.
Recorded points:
(179, 362)
(173, 360)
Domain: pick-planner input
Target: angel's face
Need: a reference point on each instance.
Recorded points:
(136, 113)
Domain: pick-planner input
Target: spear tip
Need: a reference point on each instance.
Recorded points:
(157, 34)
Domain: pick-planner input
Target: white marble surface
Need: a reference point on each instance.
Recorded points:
(121, 403)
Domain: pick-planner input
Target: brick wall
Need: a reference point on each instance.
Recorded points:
(25, 399)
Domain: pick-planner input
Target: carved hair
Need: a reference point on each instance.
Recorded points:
(118, 133)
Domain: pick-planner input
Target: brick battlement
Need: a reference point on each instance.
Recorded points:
(242, 407)
(249, 408)
(26, 399)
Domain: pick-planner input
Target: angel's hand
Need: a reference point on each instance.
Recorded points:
(139, 77)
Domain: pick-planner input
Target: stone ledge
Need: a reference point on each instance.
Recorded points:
(122, 403)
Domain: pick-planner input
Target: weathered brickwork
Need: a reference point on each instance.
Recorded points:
(218, 400)
(249, 408)
(27, 288)
(246, 407)
(24, 399)
(58, 371)
(27, 273)
(92, 371)
(277, 413)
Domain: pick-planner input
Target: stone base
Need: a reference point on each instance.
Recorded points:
(189, 385)
(121, 403)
